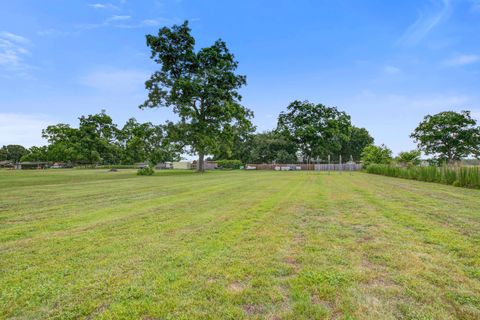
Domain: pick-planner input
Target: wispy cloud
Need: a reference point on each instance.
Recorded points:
(428, 19)
(126, 22)
(107, 6)
(13, 50)
(391, 70)
(462, 59)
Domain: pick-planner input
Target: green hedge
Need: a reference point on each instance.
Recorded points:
(229, 164)
(467, 177)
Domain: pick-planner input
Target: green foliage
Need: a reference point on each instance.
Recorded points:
(146, 171)
(376, 155)
(270, 146)
(409, 158)
(13, 152)
(357, 141)
(229, 164)
(36, 154)
(202, 87)
(448, 135)
(468, 177)
(98, 140)
(317, 130)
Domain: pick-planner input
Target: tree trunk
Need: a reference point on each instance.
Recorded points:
(201, 161)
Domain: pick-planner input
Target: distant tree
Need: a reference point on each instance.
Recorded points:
(238, 145)
(449, 136)
(3, 153)
(36, 154)
(409, 158)
(376, 155)
(316, 129)
(271, 146)
(202, 87)
(97, 135)
(359, 138)
(133, 138)
(162, 145)
(64, 143)
(14, 152)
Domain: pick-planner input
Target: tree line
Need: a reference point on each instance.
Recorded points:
(97, 140)
(201, 87)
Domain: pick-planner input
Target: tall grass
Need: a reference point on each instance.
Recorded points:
(467, 177)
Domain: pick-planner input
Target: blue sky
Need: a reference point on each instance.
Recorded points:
(386, 63)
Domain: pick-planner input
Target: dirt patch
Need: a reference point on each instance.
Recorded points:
(98, 311)
(236, 287)
(251, 309)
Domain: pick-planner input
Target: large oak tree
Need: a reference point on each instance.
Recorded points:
(201, 87)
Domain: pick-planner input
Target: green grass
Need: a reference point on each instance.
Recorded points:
(94, 244)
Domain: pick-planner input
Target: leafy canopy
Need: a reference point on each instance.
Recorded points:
(449, 135)
(409, 158)
(201, 87)
(316, 129)
(376, 155)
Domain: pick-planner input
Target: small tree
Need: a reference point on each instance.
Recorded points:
(202, 87)
(376, 155)
(409, 158)
(448, 135)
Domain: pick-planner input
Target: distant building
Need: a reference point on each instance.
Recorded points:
(58, 165)
(164, 166)
(141, 165)
(6, 164)
(182, 165)
(31, 165)
(207, 165)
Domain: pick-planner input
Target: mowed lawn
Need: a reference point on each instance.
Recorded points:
(236, 245)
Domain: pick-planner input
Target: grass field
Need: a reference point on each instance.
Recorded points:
(231, 245)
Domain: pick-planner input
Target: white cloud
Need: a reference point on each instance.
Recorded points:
(13, 50)
(124, 21)
(116, 80)
(462, 59)
(392, 70)
(103, 6)
(117, 18)
(425, 23)
(24, 129)
(14, 37)
(476, 114)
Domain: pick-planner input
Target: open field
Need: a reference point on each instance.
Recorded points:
(230, 245)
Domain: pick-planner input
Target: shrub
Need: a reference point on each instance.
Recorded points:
(376, 155)
(229, 164)
(146, 171)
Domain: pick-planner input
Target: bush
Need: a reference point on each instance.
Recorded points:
(376, 155)
(146, 171)
(467, 177)
(229, 164)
